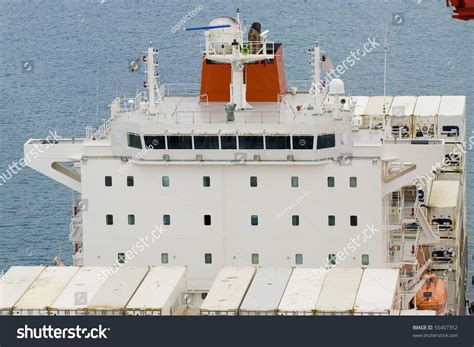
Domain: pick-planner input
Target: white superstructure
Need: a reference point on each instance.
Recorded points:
(313, 179)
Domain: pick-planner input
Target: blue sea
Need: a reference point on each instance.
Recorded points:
(63, 61)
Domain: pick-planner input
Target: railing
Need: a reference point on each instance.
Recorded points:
(132, 104)
(302, 86)
(249, 117)
(180, 89)
(248, 47)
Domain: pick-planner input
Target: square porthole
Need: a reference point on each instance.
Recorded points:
(108, 181)
(109, 219)
(353, 182)
(130, 181)
(331, 182)
(207, 219)
(365, 259)
(299, 259)
(165, 181)
(255, 259)
(295, 181)
(166, 219)
(131, 219)
(254, 220)
(164, 258)
(121, 258)
(331, 220)
(207, 258)
(353, 221)
(253, 181)
(206, 181)
(295, 220)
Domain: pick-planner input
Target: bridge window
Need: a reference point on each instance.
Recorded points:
(277, 142)
(326, 141)
(251, 142)
(180, 142)
(206, 142)
(134, 141)
(155, 142)
(228, 142)
(303, 142)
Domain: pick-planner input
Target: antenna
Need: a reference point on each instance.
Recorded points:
(97, 101)
(385, 63)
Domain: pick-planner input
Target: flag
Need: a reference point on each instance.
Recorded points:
(134, 64)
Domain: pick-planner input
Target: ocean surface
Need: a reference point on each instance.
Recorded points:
(62, 63)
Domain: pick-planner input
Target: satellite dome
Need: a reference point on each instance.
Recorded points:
(336, 87)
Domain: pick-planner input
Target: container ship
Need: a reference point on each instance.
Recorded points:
(250, 194)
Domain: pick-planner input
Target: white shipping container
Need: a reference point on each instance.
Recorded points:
(14, 283)
(114, 295)
(302, 292)
(266, 291)
(76, 295)
(159, 292)
(378, 292)
(228, 291)
(339, 291)
(45, 289)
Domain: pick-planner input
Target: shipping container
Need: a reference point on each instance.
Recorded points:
(378, 292)
(14, 283)
(302, 292)
(44, 290)
(76, 295)
(117, 290)
(265, 292)
(228, 291)
(339, 291)
(159, 293)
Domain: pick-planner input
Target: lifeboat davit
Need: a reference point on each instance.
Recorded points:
(463, 9)
(432, 295)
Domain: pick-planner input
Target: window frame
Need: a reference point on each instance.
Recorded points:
(133, 144)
